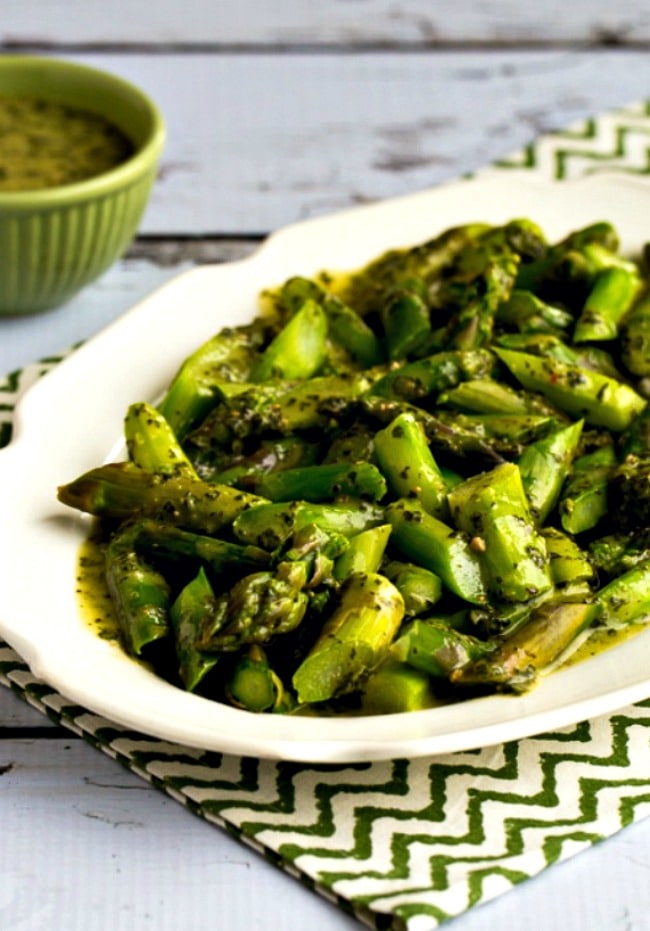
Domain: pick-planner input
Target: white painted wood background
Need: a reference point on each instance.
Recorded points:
(279, 110)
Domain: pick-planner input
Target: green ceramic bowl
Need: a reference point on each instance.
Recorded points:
(55, 241)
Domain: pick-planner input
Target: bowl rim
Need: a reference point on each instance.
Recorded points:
(121, 176)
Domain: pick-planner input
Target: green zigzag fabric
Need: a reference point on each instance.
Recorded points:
(407, 844)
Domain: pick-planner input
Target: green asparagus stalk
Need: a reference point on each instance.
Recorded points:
(612, 294)
(353, 640)
(626, 599)
(364, 552)
(345, 326)
(437, 649)
(395, 687)
(194, 603)
(152, 444)
(584, 498)
(270, 525)
(420, 588)
(123, 490)
(324, 482)
(517, 661)
(226, 357)
(433, 374)
(492, 509)
(140, 593)
(407, 462)
(583, 393)
(544, 466)
(253, 685)
(406, 319)
(298, 350)
(635, 337)
(436, 546)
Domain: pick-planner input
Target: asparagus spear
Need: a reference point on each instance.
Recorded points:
(626, 599)
(364, 552)
(152, 444)
(298, 350)
(395, 687)
(492, 509)
(429, 542)
(345, 326)
(253, 685)
(429, 376)
(123, 490)
(270, 525)
(226, 357)
(353, 640)
(324, 482)
(613, 292)
(438, 649)
(194, 603)
(140, 593)
(406, 319)
(601, 400)
(544, 466)
(517, 661)
(419, 587)
(635, 337)
(584, 498)
(407, 462)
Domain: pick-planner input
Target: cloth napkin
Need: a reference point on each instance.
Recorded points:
(407, 844)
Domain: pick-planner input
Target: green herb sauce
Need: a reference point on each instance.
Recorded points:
(44, 144)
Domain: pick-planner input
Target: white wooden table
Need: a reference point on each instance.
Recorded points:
(278, 111)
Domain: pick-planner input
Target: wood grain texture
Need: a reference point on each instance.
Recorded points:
(259, 141)
(420, 23)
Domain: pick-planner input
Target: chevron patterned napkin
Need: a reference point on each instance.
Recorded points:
(407, 844)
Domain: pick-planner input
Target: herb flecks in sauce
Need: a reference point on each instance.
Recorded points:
(44, 144)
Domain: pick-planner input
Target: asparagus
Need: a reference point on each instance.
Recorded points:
(195, 601)
(635, 337)
(345, 326)
(405, 318)
(270, 525)
(253, 685)
(600, 399)
(428, 542)
(353, 640)
(517, 661)
(626, 599)
(544, 466)
(324, 482)
(584, 498)
(407, 462)
(433, 374)
(408, 436)
(395, 687)
(226, 357)
(140, 593)
(364, 552)
(613, 292)
(152, 444)
(492, 509)
(298, 350)
(420, 588)
(123, 490)
(438, 649)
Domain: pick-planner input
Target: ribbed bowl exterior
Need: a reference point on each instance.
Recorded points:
(47, 256)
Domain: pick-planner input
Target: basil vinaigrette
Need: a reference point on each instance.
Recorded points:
(45, 144)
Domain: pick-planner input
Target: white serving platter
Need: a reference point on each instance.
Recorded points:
(71, 420)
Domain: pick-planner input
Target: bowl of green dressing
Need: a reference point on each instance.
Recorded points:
(79, 153)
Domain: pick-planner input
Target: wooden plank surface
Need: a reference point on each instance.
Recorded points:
(292, 22)
(257, 141)
(279, 111)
